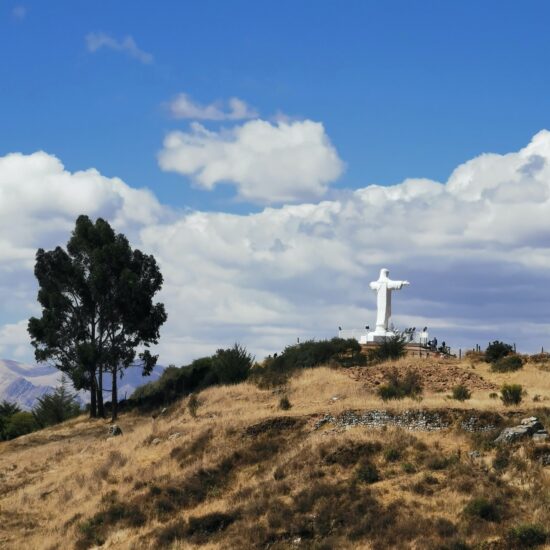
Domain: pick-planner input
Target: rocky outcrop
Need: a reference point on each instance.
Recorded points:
(528, 427)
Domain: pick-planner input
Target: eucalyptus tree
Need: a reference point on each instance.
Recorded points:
(97, 309)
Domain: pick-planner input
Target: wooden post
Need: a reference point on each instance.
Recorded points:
(460, 353)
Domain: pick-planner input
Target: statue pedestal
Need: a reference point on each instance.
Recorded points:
(379, 336)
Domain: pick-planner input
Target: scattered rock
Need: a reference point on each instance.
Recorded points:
(474, 454)
(156, 441)
(540, 435)
(114, 430)
(175, 435)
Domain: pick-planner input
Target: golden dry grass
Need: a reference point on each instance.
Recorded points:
(53, 482)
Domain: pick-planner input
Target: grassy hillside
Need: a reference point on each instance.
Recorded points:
(245, 474)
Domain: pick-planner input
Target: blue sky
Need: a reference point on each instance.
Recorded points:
(404, 89)
(244, 144)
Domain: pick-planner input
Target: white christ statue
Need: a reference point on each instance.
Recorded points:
(383, 287)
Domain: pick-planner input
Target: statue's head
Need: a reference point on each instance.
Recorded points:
(384, 273)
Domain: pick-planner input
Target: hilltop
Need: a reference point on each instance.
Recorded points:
(339, 469)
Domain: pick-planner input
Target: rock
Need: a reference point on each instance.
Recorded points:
(510, 435)
(114, 430)
(164, 411)
(474, 454)
(175, 435)
(156, 441)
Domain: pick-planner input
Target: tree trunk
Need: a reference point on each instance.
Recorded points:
(114, 397)
(100, 407)
(93, 403)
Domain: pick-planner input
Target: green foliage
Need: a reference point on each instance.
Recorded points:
(56, 407)
(502, 458)
(392, 454)
(509, 363)
(232, 365)
(511, 394)
(483, 509)
(97, 307)
(390, 349)
(399, 387)
(526, 536)
(7, 410)
(496, 350)
(461, 393)
(276, 370)
(226, 366)
(20, 423)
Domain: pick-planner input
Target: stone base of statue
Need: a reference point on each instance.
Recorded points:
(379, 336)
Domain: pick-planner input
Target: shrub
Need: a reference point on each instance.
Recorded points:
(193, 405)
(390, 348)
(483, 509)
(502, 458)
(526, 536)
(509, 363)
(496, 350)
(20, 423)
(276, 370)
(7, 410)
(232, 365)
(511, 394)
(408, 468)
(493, 395)
(461, 393)
(392, 454)
(367, 472)
(398, 387)
(284, 403)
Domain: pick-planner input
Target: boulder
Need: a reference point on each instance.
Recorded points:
(510, 435)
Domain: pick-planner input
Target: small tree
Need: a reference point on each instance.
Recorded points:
(232, 365)
(7, 410)
(390, 348)
(20, 423)
(511, 394)
(496, 350)
(56, 407)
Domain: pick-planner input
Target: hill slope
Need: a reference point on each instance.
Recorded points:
(245, 474)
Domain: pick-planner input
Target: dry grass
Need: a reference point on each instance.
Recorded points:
(241, 476)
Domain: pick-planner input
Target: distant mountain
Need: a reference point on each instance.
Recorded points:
(23, 384)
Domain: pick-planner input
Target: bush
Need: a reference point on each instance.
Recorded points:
(367, 472)
(511, 394)
(20, 423)
(398, 387)
(392, 454)
(502, 459)
(461, 393)
(496, 350)
(7, 410)
(526, 536)
(193, 405)
(483, 509)
(390, 348)
(284, 403)
(276, 370)
(232, 365)
(509, 363)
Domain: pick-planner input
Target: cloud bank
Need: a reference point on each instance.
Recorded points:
(475, 248)
(267, 163)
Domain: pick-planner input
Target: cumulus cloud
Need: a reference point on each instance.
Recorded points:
(98, 40)
(267, 163)
(182, 106)
(475, 249)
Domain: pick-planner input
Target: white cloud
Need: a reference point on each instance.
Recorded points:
(182, 106)
(98, 40)
(267, 163)
(475, 250)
